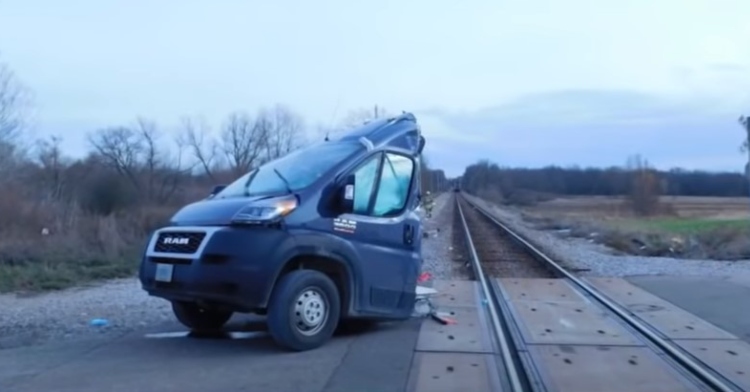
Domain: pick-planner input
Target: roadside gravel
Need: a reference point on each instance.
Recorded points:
(441, 259)
(590, 259)
(27, 320)
(68, 314)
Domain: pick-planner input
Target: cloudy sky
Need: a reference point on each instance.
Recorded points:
(532, 82)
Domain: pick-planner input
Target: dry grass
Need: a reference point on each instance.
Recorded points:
(79, 248)
(689, 227)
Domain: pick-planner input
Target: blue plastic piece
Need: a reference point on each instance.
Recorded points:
(98, 322)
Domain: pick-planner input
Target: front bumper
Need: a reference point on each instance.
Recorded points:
(228, 266)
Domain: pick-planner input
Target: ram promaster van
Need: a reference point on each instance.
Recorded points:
(327, 234)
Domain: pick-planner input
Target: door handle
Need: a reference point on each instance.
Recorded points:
(408, 234)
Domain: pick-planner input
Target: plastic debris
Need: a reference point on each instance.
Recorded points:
(423, 292)
(425, 276)
(98, 322)
(443, 318)
(422, 308)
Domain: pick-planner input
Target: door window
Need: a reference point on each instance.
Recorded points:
(395, 181)
(364, 183)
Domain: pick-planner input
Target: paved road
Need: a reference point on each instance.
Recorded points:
(721, 301)
(164, 359)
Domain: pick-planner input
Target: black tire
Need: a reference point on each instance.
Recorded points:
(200, 319)
(304, 310)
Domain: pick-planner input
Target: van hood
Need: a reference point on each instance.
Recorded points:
(212, 212)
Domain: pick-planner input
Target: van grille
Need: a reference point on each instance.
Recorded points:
(179, 242)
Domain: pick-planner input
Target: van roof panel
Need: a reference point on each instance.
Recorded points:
(400, 131)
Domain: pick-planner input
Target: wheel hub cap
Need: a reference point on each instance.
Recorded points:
(310, 311)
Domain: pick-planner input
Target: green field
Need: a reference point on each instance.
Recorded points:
(697, 227)
(685, 226)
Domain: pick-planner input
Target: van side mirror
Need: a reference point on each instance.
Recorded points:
(217, 189)
(347, 195)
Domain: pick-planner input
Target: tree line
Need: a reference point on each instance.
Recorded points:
(636, 177)
(612, 181)
(637, 180)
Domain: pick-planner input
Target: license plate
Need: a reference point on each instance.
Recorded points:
(164, 272)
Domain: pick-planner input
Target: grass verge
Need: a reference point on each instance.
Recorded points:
(689, 238)
(684, 226)
(57, 265)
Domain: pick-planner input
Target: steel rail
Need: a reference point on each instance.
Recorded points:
(687, 362)
(509, 363)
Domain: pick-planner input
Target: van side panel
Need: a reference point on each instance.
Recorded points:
(322, 244)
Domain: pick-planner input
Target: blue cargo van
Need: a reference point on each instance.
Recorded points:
(319, 237)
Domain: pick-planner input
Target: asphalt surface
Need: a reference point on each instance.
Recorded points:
(722, 301)
(163, 358)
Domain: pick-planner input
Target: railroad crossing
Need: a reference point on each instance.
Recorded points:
(538, 327)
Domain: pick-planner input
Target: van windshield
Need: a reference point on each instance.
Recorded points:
(299, 169)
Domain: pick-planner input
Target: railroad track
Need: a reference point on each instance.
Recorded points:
(495, 251)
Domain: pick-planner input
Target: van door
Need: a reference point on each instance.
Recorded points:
(385, 233)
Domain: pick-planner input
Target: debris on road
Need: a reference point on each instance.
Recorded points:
(443, 318)
(98, 322)
(425, 276)
(425, 308)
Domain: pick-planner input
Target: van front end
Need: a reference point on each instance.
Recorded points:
(219, 256)
(218, 267)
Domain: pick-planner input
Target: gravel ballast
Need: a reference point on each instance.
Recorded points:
(441, 259)
(591, 259)
(68, 314)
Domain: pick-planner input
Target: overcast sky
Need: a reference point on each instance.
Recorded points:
(518, 82)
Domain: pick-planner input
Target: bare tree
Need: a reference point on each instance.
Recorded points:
(152, 158)
(745, 147)
(645, 187)
(286, 131)
(197, 139)
(243, 142)
(52, 163)
(137, 154)
(163, 171)
(12, 101)
(122, 148)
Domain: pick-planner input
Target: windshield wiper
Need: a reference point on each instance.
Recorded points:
(247, 183)
(286, 183)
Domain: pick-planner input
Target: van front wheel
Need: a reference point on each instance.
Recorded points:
(304, 310)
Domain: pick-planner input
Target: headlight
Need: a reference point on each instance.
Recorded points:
(263, 211)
